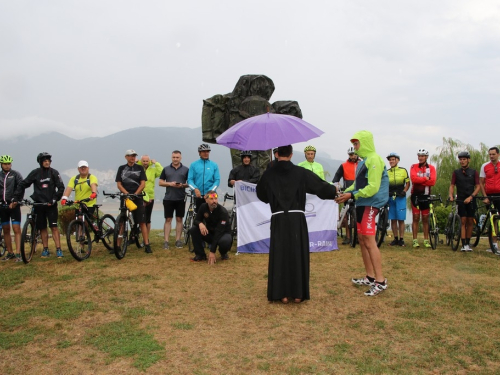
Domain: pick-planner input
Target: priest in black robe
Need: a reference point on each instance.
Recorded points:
(284, 187)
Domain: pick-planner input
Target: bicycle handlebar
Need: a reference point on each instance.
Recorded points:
(120, 194)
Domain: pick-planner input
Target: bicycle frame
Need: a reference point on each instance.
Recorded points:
(433, 227)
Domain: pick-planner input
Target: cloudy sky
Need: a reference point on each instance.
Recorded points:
(411, 72)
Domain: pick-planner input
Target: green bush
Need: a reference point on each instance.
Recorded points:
(66, 215)
(441, 213)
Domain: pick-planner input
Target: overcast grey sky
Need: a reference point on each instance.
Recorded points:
(411, 72)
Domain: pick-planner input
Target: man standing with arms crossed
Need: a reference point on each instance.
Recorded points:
(371, 191)
(489, 179)
(173, 178)
(467, 182)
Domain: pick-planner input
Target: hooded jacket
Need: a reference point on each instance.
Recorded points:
(203, 175)
(152, 173)
(8, 184)
(48, 186)
(371, 185)
(314, 167)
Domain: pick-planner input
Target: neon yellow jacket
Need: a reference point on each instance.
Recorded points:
(152, 173)
(314, 167)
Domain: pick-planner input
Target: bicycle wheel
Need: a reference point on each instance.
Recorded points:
(455, 232)
(139, 240)
(120, 238)
(478, 231)
(234, 228)
(448, 231)
(29, 241)
(107, 228)
(188, 223)
(79, 241)
(382, 222)
(352, 227)
(494, 233)
(3, 248)
(433, 232)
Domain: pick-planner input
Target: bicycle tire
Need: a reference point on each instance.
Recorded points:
(79, 240)
(188, 223)
(433, 233)
(28, 241)
(352, 227)
(448, 230)
(3, 248)
(107, 228)
(139, 240)
(456, 231)
(234, 228)
(477, 231)
(493, 237)
(381, 227)
(121, 236)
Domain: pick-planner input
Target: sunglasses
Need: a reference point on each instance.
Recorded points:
(213, 195)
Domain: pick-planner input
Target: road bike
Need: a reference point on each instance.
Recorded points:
(189, 220)
(232, 215)
(433, 226)
(492, 225)
(31, 238)
(126, 230)
(452, 231)
(382, 224)
(78, 233)
(481, 226)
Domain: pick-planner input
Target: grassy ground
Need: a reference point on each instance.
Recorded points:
(162, 314)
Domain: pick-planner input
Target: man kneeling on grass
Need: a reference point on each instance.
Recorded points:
(211, 225)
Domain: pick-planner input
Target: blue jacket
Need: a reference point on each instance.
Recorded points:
(203, 175)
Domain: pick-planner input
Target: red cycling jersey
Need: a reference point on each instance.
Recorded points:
(491, 175)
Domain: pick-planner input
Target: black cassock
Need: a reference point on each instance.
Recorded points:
(284, 187)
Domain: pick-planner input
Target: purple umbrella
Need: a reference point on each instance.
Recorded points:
(266, 131)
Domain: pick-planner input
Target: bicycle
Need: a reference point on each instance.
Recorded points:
(349, 211)
(433, 227)
(30, 235)
(382, 225)
(232, 215)
(491, 226)
(189, 220)
(78, 234)
(3, 247)
(126, 230)
(452, 231)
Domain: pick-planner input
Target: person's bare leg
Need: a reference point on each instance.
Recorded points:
(167, 227)
(56, 236)
(414, 225)
(425, 225)
(178, 228)
(365, 254)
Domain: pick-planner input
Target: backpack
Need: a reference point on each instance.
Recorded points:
(77, 177)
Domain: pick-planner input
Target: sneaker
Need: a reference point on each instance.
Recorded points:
(9, 256)
(147, 249)
(224, 257)
(491, 251)
(346, 241)
(45, 253)
(464, 248)
(179, 244)
(469, 249)
(198, 258)
(165, 245)
(59, 253)
(394, 242)
(415, 243)
(18, 258)
(427, 244)
(402, 243)
(362, 281)
(376, 289)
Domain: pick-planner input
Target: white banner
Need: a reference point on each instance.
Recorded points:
(254, 220)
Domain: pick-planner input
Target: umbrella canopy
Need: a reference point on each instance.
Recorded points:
(266, 131)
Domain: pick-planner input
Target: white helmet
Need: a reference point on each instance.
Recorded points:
(351, 150)
(422, 151)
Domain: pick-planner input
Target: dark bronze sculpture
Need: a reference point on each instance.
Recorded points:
(249, 98)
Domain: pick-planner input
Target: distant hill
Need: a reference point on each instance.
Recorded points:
(105, 154)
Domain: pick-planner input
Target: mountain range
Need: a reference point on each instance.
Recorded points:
(106, 154)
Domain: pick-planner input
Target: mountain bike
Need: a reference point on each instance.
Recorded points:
(348, 212)
(30, 235)
(492, 225)
(126, 230)
(189, 220)
(232, 215)
(382, 224)
(78, 233)
(481, 226)
(452, 231)
(433, 226)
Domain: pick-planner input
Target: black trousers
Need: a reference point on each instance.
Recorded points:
(224, 243)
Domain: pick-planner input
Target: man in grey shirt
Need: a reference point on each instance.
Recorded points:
(173, 178)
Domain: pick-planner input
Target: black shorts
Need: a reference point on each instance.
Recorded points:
(44, 213)
(170, 206)
(466, 210)
(7, 215)
(139, 214)
(148, 209)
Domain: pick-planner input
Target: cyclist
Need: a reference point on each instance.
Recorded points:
(48, 188)
(399, 183)
(489, 178)
(423, 177)
(85, 186)
(370, 189)
(347, 172)
(310, 164)
(467, 182)
(203, 175)
(153, 170)
(9, 180)
(273, 162)
(244, 172)
(173, 178)
(131, 179)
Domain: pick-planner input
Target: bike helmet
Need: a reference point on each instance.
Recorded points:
(203, 147)
(463, 154)
(6, 159)
(275, 150)
(42, 156)
(246, 153)
(310, 148)
(422, 151)
(393, 155)
(351, 150)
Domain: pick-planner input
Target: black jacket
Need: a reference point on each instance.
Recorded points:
(48, 186)
(8, 184)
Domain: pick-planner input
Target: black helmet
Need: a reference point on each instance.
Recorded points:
(464, 154)
(42, 156)
(246, 153)
(203, 147)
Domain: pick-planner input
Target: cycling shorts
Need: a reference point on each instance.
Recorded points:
(365, 217)
(423, 207)
(44, 213)
(466, 210)
(7, 215)
(397, 208)
(170, 206)
(148, 210)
